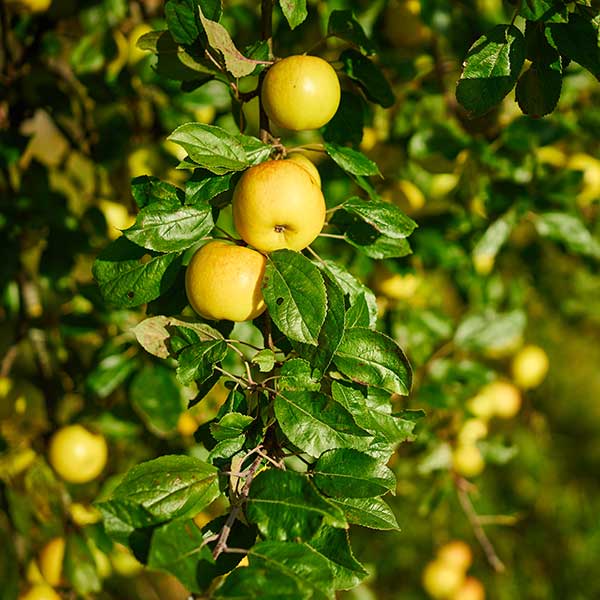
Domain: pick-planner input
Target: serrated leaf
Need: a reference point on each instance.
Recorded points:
(491, 69)
(129, 276)
(351, 161)
(218, 38)
(156, 397)
(315, 423)
(373, 513)
(346, 472)
(198, 360)
(299, 561)
(148, 190)
(334, 545)
(254, 583)
(182, 21)
(294, 11)
(227, 448)
(230, 426)
(538, 90)
(204, 186)
(370, 357)
(168, 487)
(568, 230)
(342, 24)
(578, 40)
(369, 76)
(543, 10)
(170, 229)
(178, 548)
(297, 374)
(295, 295)
(332, 331)
(264, 359)
(285, 506)
(211, 147)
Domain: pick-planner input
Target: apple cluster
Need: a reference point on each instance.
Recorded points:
(276, 204)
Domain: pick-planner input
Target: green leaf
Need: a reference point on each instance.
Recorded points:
(211, 147)
(351, 161)
(373, 513)
(369, 76)
(315, 423)
(294, 11)
(178, 548)
(370, 357)
(295, 295)
(198, 360)
(538, 89)
(170, 229)
(230, 426)
(570, 231)
(111, 370)
(148, 190)
(204, 186)
(153, 335)
(578, 40)
(343, 25)
(297, 374)
(219, 39)
(384, 217)
(285, 506)
(156, 397)
(253, 583)
(346, 126)
(489, 331)
(346, 472)
(227, 448)
(491, 69)
(129, 276)
(264, 359)
(299, 561)
(182, 20)
(80, 566)
(332, 331)
(495, 235)
(543, 10)
(359, 296)
(168, 487)
(256, 151)
(334, 545)
(376, 417)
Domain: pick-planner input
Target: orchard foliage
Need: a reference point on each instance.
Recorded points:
(242, 457)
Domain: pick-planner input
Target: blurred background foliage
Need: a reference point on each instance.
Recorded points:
(506, 253)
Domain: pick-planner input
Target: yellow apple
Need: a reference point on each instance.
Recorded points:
(406, 195)
(457, 554)
(124, 562)
(223, 281)
(394, 285)
(483, 263)
(76, 454)
(591, 177)
(530, 366)
(506, 398)
(440, 580)
(83, 515)
(482, 406)
(51, 559)
(301, 159)
(467, 460)
(33, 573)
(403, 26)
(301, 92)
(471, 431)
(40, 592)
(277, 204)
(471, 589)
(186, 424)
(34, 6)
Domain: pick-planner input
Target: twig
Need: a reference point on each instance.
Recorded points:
(480, 534)
(221, 544)
(275, 463)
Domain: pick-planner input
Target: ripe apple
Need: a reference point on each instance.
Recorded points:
(530, 367)
(467, 460)
(506, 398)
(83, 514)
(301, 159)
(76, 454)
(482, 406)
(440, 579)
(403, 26)
(471, 589)
(223, 280)
(277, 204)
(471, 431)
(51, 559)
(40, 592)
(394, 285)
(457, 554)
(186, 424)
(301, 92)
